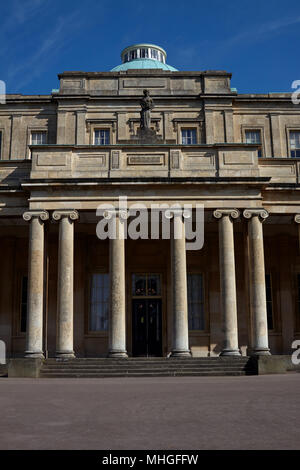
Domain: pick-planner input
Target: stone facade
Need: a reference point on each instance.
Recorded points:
(49, 195)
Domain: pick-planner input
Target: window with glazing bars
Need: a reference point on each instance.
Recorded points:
(269, 299)
(23, 304)
(195, 301)
(99, 302)
(254, 137)
(188, 136)
(38, 138)
(295, 144)
(101, 137)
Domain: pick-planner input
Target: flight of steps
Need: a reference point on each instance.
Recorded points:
(147, 367)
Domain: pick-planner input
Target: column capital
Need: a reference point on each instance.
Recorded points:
(177, 212)
(41, 214)
(297, 218)
(233, 213)
(261, 213)
(72, 214)
(123, 214)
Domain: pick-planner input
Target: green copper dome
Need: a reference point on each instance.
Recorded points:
(143, 56)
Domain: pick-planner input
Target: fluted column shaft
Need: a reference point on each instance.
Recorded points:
(34, 327)
(258, 302)
(228, 280)
(180, 333)
(117, 311)
(65, 287)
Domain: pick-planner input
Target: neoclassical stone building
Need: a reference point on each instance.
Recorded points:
(64, 291)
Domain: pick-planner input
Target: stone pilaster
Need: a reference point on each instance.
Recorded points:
(227, 280)
(258, 303)
(34, 330)
(64, 339)
(17, 139)
(80, 127)
(180, 333)
(61, 127)
(117, 311)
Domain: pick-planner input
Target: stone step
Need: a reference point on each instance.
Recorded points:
(205, 373)
(154, 358)
(170, 362)
(138, 367)
(146, 367)
(131, 371)
(149, 364)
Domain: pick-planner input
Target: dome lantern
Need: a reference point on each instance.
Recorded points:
(143, 56)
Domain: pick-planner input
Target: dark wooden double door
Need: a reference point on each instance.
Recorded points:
(146, 327)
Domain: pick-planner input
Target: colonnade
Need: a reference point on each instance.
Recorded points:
(117, 318)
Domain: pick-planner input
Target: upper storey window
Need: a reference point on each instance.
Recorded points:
(188, 136)
(295, 144)
(38, 138)
(254, 137)
(101, 137)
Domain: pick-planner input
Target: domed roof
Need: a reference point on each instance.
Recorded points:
(143, 64)
(143, 56)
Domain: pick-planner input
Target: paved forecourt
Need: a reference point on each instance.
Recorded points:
(252, 412)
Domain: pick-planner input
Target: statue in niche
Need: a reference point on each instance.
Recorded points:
(146, 104)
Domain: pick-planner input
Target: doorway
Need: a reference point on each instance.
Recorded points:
(146, 315)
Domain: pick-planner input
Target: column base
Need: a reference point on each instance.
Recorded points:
(34, 354)
(117, 354)
(178, 353)
(230, 352)
(261, 352)
(65, 355)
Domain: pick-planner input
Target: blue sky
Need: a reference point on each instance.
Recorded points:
(257, 41)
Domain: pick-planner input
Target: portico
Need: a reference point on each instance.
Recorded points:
(152, 290)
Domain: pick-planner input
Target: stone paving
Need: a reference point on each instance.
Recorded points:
(253, 412)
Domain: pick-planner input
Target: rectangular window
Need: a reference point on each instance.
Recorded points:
(196, 302)
(101, 137)
(254, 137)
(295, 144)
(188, 136)
(146, 285)
(269, 298)
(144, 53)
(133, 55)
(38, 138)
(23, 304)
(154, 53)
(99, 303)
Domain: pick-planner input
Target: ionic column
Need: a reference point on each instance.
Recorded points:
(117, 311)
(258, 304)
(180, 336)
(65, 287)
(227, 280)
(34, 329)
(297, 220)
